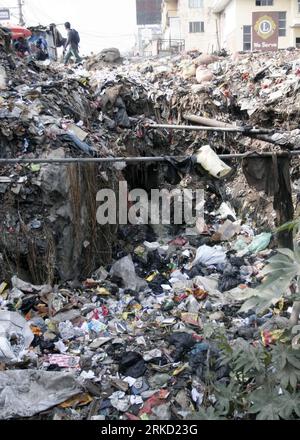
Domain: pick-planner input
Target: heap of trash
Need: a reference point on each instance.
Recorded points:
(122, 322)
(129, 341)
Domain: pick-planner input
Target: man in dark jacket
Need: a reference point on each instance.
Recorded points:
(73, 44)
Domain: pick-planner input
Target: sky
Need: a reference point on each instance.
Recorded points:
(100, 23)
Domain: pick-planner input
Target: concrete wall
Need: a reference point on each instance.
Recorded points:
(169, 9)
(206, 41)
(227, 27)
(295, 22)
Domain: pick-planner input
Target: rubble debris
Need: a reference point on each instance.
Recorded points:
(105, 57)
(124, 321)
(111, 55)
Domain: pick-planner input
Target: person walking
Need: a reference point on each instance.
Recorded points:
(72, 45)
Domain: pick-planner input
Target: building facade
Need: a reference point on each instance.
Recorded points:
(191, 21)
(245, 25)
(148, 20)
(234, 25)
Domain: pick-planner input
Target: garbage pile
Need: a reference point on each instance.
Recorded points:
(129, 342)
(48, 112)
(243, 87)
(117, 322)
(248, 90)
(105, 57)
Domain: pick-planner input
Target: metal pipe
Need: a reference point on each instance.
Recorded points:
(129, 160)
(88, 160)
(214, 123)
(249, 155)
(207, 121)
(221, 129)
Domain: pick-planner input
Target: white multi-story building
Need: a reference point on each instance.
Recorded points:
(192, 21)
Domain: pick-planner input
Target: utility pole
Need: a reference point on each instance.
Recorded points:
(21, 15)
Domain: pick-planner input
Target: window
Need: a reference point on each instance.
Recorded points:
(298, 43)
(195, 4)
(282, 24)
(196, 26)
(247, 35)
(264, 2)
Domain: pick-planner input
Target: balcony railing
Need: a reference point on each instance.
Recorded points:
(173, 46)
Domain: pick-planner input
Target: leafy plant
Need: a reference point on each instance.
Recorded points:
(263, 380)
(230, 399)
(273, 404)
(246, 358)
(281, 272)
(207, 414)
(287, 364)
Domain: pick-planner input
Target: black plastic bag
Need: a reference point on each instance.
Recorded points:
(132, 364)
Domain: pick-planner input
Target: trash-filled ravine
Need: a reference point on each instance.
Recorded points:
(150, 322)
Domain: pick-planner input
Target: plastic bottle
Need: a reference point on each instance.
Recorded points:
(209, 160)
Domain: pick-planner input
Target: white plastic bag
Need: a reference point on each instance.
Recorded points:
(125, 270)
(210, 256)
(226, 211)
(13, 328)
(3, 78)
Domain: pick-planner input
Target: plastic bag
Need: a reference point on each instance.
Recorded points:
(111, 55)
(260, 243)
(206, 59)
(64, 360)
(189, 71)
(228, 282)
(19, 284)
(210, 256)
(120, 401)
(132, 364)
(28, 392)
(240, 245)
(226, 211)
(228, 230)
(125, 270)
(183, 342)
(15, 336)
(66, 330)
(3, 78)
